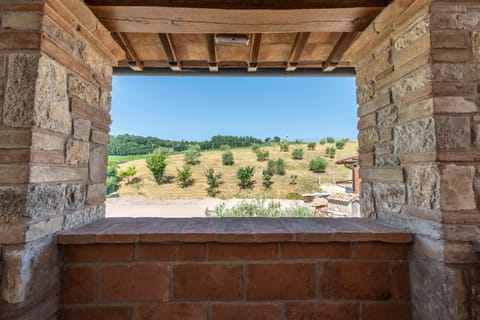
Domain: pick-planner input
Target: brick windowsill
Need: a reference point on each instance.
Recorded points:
(240, 230)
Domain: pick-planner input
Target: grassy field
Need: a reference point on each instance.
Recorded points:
(143, 183)
(123, 159)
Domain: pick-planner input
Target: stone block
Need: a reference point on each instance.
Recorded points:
(51, 100)
(48, 142)
(476, 46)
(42, 228)
(77, 152)
(389, 197)
(100, 137)
(83, 216)
(45, 200)
(83, 89)
(95, 60)
(476, 135)
(61, 37)
(450, 39)
(382, 174)
(13, 200)
(457, 188)
(423, 186)
(18, 107)
(454, 105)
(451, 55)
(81, 129)
(105, 100)
(417, 136)
(453, 133)
(368, 136)
(387, 160)
(387, 116)
(13, 173)
(45, 173)
(96, 193)
(411, 83)
(445, 72)
(365, 92)
(367, 200)
(97, 165)
(75, 195)
(16, 273)
(406, 39)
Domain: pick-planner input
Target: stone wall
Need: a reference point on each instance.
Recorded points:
(418, 72)
(54, 120)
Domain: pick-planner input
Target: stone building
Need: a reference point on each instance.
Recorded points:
(417, 66)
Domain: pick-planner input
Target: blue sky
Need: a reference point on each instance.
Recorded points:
(196, 108)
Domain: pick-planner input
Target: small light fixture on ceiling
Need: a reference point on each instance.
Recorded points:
(236, 39)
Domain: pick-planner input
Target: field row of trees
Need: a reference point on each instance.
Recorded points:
(127, 144)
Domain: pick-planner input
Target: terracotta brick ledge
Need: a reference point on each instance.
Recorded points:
(234, 230)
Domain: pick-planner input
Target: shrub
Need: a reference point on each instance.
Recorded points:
(330, 140)
(340, 144)
(330, 151)
(311, 145)
(129, 172)
(297, 154)
(213, 181)
(227, 158)
(184, 176)
(225, 147)
(283, 146)
(318, 164)
(156, 162)
(276, 166)
(259, 208)
(262, 154)
(192, 155)
(111, 184)
(254, 147)
(112, 169)
(267, 178)
(165, 151)
(323, 141)
(244, 176)
(298, 141)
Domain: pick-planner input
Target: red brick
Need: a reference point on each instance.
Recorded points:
(354, 280)
(173, 252)
(96, 313)
(400, 281)
(245, 311)
(207, 282)
(315, 250)
(385, 311)
(229, 251)
(280, 281)
(171, 311)
(98, 253)
(322, 310)
(380, 251)
(130, 283)
(78, 285)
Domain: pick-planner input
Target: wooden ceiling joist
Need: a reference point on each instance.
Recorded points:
(169, 48)
(155, 19)
(132, 57)
(212, 54)
(254, 53)
(343, 43)
(297, 50)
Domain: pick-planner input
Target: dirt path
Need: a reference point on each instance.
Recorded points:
(144, 207)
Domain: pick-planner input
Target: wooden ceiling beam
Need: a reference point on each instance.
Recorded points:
(169, 48)
(212, 54)
(155, 19)
(132, 57)
(254, 52)
(244, 4)
(297, 49)
(343, 43)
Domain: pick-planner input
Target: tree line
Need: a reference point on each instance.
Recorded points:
(126, 144)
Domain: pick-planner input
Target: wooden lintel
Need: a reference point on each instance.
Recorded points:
(343, 43)
(169, 48)
(297, 50)
(254, 52)
(155, 19)
(134, 60)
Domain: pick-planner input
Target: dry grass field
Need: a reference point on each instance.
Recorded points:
(143, 183)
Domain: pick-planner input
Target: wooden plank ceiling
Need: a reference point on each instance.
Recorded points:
(284, 35)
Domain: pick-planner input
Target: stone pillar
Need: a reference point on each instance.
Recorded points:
(55, 82)
(418, 80)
